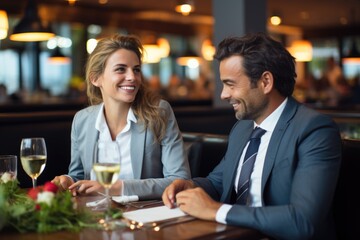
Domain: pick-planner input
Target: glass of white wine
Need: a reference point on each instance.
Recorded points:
(106, 167)
(33, 157)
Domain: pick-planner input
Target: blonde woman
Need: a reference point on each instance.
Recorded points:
(124, 111)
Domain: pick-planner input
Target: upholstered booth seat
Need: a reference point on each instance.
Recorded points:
(205, 151)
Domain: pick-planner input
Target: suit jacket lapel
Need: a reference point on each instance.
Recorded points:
(284, 120)
(137, 148)
(239, 138)
(91, 140)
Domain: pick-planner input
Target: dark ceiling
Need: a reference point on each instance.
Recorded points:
(160, 15)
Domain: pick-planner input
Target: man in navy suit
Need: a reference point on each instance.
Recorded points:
(294, 177)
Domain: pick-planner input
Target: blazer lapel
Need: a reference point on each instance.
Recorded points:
(137, 148)
(284, 120)
(91, 140)
(239, 139)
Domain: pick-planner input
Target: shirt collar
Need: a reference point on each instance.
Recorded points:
(270, 122)
(100, 123)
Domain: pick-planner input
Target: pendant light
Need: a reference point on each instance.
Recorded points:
(30, 27)
(185, 7)
(189, 57)
(4, 24)
(58, 58)
(353, 56)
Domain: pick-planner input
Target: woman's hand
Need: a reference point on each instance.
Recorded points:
(86, 187)
(63, 182)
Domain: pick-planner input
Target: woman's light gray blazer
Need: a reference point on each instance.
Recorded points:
(155, 165)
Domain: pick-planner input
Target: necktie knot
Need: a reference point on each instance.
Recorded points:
(257, 133)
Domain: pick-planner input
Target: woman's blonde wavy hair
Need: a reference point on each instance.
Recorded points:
(146, 103)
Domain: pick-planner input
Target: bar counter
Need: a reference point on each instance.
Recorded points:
(193, 229)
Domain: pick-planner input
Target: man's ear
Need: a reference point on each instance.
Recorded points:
(267, 81)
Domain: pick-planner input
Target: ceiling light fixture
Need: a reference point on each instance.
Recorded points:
(275, 19)
(4, 24)
(30, 28)
(354, 55)
(185, 7)
(189, 58)
(58, 58)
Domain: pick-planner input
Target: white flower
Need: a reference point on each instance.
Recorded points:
(6, 177)
(45, 197)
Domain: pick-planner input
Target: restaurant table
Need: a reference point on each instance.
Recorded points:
(193, 229)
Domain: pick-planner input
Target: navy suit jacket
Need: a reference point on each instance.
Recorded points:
(299, 176)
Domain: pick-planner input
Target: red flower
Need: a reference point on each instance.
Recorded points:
(37, 207)
(33, 192)
(50, 187)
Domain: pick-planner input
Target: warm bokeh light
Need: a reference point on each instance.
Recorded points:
(207, 50)
(151, 53)
(31, 36)
(155, 51)
(164, 47)
(185, 7)
(191, 62)
(71, 2)
(4, 24)
(301, 50)
(275, 20)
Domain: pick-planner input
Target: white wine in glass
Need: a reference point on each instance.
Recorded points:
(33, 157)
(107, 173)
(107, 169)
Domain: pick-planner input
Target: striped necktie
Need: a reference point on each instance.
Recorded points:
(248, 165)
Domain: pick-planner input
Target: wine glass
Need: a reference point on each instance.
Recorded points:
(106, 167)
(33, 157)
(8, 167)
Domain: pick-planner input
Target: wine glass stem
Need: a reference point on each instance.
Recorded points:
(34, 182)
(107, 217)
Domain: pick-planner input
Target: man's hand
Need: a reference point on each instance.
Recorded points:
(176, 186)
(196, 202)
